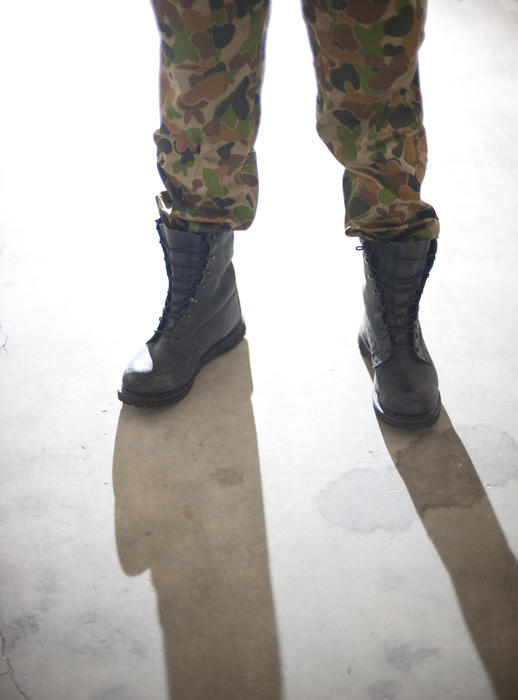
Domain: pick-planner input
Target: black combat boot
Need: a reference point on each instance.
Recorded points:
(201, 318)
(405, 392)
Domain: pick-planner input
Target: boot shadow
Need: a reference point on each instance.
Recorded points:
(461, 523)
(189, 506)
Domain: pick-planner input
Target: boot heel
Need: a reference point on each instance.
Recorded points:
(228, 343)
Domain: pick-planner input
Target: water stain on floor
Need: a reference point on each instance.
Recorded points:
(365, 500)
(493, 451)
(404, 657)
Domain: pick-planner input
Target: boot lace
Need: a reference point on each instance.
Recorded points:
(399, 317)
(185, 278)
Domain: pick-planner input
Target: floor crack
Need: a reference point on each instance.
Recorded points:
(10, 670)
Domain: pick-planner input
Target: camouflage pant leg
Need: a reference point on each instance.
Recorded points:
(211, 70)
(369, 111)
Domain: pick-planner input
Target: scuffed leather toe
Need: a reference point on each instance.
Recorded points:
(146, 377)
(142, 363)
(406, 386)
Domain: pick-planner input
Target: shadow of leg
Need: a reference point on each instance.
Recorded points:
(452, 503)
(188, 505)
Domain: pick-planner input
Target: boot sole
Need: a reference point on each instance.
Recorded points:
(170, 397)
(397, 420)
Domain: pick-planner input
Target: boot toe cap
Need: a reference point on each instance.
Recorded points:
(407, 393)
(141, 364)
(146, 378)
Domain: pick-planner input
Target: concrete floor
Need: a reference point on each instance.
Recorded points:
(265, 538)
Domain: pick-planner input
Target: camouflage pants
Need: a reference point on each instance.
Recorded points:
(369, 111)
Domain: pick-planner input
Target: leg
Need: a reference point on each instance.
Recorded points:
(211, 69)
(370, 117)
(369, 112)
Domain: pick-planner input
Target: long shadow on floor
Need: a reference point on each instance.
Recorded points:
(189, 506)
(459, 519)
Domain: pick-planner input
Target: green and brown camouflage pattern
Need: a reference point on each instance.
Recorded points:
(369, 111)
(211, 70)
